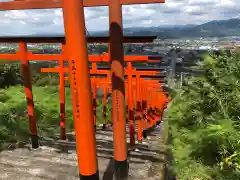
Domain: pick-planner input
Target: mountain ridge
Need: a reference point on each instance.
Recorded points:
(216, 28)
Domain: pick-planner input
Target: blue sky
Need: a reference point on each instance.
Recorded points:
(173, 12)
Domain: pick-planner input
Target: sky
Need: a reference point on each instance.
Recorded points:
(173, 12)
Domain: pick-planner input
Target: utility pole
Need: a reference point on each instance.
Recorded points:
(172, 68)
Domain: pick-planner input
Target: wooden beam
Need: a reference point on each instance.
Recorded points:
(50, 4)
(61, 39)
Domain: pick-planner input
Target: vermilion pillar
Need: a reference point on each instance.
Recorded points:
(118, 111)
(150, 109)
(138, 114)
(62, 97)
(144, 110)
(149, 113)
(74, 25)
(94, 91)
(26, 73)
(130, 105)
(104, 104)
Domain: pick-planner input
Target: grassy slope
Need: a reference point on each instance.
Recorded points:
(204, 123)
(13, 112)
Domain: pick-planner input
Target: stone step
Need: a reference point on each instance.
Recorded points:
(49, 163)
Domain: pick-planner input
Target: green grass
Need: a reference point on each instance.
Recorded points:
(13, 112)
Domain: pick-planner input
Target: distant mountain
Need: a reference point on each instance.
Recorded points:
(145, 30)
(222, 28)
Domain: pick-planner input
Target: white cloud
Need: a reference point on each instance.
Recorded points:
(203, 2)
(171, 13)
(226, 3)
(191, 9)
(147, 22)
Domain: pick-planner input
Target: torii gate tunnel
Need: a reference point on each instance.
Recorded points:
(77, 56)
(129, 73)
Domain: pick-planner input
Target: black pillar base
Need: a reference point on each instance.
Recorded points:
(121, 170)
(63, 137)
(34, 140)
(147, 132)
(91, 177)
(144, 133)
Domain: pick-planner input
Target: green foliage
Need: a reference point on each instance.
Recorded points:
(9, 74)
(204, 122)
(47, 80)
(100, 112)
(13, 112)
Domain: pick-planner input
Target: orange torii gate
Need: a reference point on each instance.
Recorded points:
(73, 15)
(105, 85)
(95, 71)
(29, 56)
(107, 72)
(137, 93)
(130, 71)
(61, 70)
(24, 55)
(140, 108)
(163, 98)
(99, 83)
(127, 59)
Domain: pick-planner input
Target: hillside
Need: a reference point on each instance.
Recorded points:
(222, 28)
(230, 27)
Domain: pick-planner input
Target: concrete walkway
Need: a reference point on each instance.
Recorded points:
(48, 162)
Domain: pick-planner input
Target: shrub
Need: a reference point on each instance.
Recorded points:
(204, 122)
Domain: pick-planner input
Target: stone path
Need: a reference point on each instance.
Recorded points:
(48, 162)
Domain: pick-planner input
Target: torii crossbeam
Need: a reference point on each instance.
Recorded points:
(49, 4)
(62, 39)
